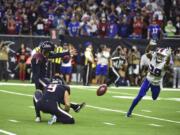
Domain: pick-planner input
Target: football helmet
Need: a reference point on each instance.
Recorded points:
(57, 80)
(162, 54)
(47, 46)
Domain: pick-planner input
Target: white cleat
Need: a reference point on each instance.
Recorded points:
(38, 119)
(52, 120)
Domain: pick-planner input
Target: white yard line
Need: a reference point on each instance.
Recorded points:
(104, 109)
(14, 121)
(146, 111)
(16, 93)
(108, 123)
(155, 125)
(89, 87)
(6, 132)
(140, 115)
(147, 98)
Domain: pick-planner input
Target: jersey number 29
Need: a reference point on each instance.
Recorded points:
(154, 71)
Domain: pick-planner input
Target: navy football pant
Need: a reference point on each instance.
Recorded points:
(144, 88)
(52, 107)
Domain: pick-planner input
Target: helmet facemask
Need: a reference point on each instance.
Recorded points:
(159, 58)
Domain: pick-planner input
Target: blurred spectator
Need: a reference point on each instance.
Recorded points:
(102, 64)
(177, 24)
(102, 28)
(137, 27)
(89, 64)
(79, 64)
(3, 61)
(167, 8)
(154, 31)
(57, 61)
(11, 26)
(22, 55)
(94, 25)
(73, 28)
(170, 29)
(124, 28)
(151, 5)
(66, 66)
(85, 26)
(32, 16)
(26, 27)
(112, 29)
(158, 15)
(61, 27)
(89, 12)
(133, 69)
(176, 78)
(39, 26)
(3, 28)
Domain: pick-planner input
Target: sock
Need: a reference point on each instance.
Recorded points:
(23, 75)
(20, 75)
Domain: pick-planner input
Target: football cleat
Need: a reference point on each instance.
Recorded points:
(128, 114)
(80, 106)
(52, 120)
(38, 119)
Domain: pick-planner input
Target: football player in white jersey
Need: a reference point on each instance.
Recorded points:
(159, 64)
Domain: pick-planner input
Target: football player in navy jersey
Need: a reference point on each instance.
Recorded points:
(55, 90)
(39, 61)
(50, 102)
(39, 68)
(159, 64)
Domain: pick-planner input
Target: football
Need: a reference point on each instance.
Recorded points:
(101, 90)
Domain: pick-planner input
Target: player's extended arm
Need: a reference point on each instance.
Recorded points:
(58, 55)
(168, 58)
(66, 101)
(147, 50)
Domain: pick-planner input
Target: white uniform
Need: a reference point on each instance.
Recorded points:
(68, 64)
(156, 71)
(103, 58)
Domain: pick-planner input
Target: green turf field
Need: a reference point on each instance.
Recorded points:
(102, 115)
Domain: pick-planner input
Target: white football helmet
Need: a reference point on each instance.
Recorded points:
(162, 54)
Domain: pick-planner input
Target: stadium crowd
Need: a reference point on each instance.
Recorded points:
(149, 19)
(101, 18)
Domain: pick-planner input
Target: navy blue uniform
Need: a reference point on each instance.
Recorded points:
(38, 68)
(50, 102)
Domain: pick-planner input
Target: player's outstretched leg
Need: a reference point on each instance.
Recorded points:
(134, 103)
(77, 107)
(144, 88)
